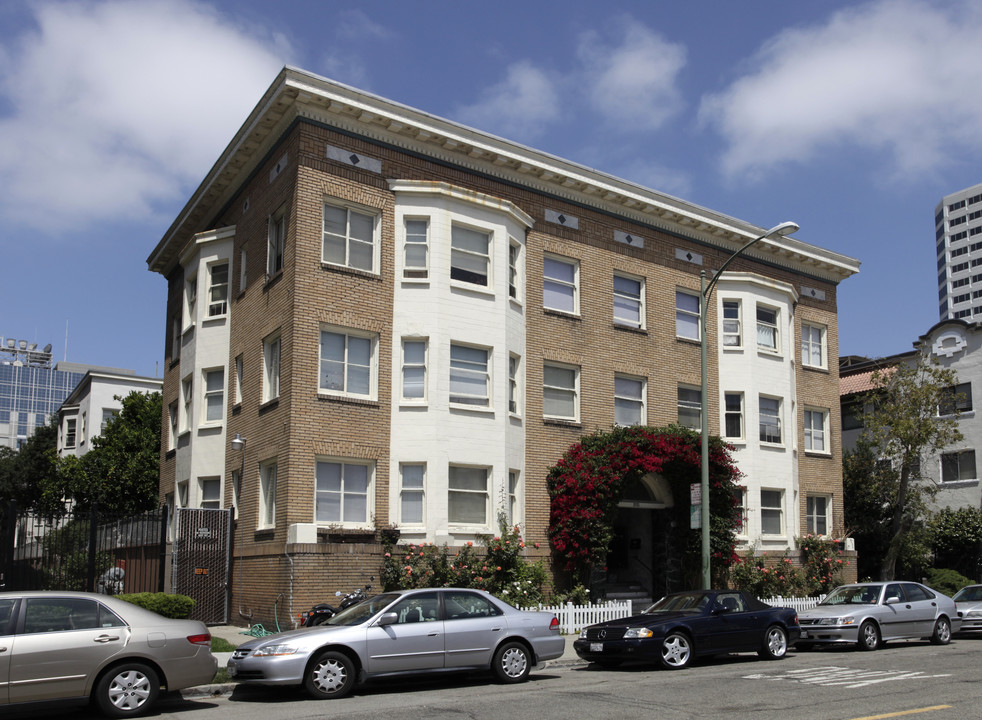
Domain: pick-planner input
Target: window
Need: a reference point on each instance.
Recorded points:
(514, 385)
(236, 492)
(740, 503)
(560, 392)
(732, 332)
(420, 607)
(182, 493)
(218, 290)
(107, 416)
(733, 415)
(560, 284)
(772, 512)
(271, 368)
(817, 514)
(342, 492)
(237, 388)
(214, 395)
(190, 300)
(277, 242)
(411, 498)
(470, 255)
(267, 495)
(461, 604)
(414, 369)
(767, 337)
(813, 345)
(629, 408)
(512, 508)
(514, 270)
(958, 466)
(349, 238)
(628, 301)
(468, 495)
(690, 407)
(348, 363)
(816, 430)
(174, 418)
(416, 259)
(70, 427)
(187, 390)
(770, 420)
(686, 315)
(470, 378)
(211, 492)
(957, 399)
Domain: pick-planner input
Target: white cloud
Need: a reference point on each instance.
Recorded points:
(899, 76)
(118, 106)
(520, 106)
(632, 83)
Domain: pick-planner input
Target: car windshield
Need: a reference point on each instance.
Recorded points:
(853, 595)
(359, 613)
(972, 593)
(686, 602)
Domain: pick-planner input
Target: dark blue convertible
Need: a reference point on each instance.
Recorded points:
(686, 625)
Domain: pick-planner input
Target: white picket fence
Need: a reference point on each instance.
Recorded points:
(572, 618)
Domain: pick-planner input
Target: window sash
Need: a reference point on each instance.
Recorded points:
(70, 432)
(348, 238)
(559, 392)
(812, 346)
(514, 389)
(817, 514)
(771, 512)
(690, 407)
(416, 257)
(341, 492)
(514, 258)
(815, 430)
(733, 415)
(958, 466)
(469, 255)
(766, 328)
(770, 420)
(346, 363)
(271, 369)
(411, 498)
(211, 493)
(470, 378)
(414, 370)
(559, 284)
(686, 315)
(277, 242)
(512, 507)
(468, 495)
(628, 301)
(628, 400)
(732, 336)
(214, 395)
(218, 290)
(267, 497)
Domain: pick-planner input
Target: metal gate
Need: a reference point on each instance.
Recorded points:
(202, 553)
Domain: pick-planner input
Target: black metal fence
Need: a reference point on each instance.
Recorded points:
(83, 550)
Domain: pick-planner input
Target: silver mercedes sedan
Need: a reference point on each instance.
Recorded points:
(73, 647)
(870, 614)
(403, 632)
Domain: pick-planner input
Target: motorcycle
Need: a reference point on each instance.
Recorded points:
(322, 612)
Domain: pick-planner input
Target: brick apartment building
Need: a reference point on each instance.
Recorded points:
(380, 317)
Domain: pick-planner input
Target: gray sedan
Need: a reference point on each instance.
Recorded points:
(869, 614)
(76, 647)
(969, 603)
(409, 631)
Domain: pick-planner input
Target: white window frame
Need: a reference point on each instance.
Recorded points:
(635, 403)
(276, 243)
(217, 290)
(416, 271)
(348, 364)
(174, 418)
(732, 324)
(267, 495)
(345, 494)
(464, 491)
(809, 344)
(212, 393)
(812, 514)
(778, 419)
(412, 490)
(625, 299)
(348, 240)
(961, 457)
(107, 415)
(689, 405)
(410, 365)
(236, 493)
(459, 250)
(237, 387)
(210, 492)
(771, 510)
(516, 272)
(465, 368)
(71, 433)
(566, 288)
(573, 391)
(514, 514)
(684, 315)
(272, 356)
(516, 396)
(773, 328)
(190, 301)
(816, 421)
(187, 400)
(739, 412)
(183, 494)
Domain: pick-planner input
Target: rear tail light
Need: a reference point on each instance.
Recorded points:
(554, 623)
(202, 639)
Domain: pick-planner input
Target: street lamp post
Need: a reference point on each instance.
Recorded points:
(706, 291)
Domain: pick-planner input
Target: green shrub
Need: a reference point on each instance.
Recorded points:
(823, 563)
(578, 595)
(169, 605)
(946, 581)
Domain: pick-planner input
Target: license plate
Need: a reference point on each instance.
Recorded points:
(231, 670)
(596, 647)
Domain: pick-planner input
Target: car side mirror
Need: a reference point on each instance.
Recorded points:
(892, 600)
(388, 618)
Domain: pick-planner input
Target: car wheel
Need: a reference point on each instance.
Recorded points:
(676, 651)
(331, 675)
(318, 619)
(775, 643)
(512, 663)
(869, 636)
(127, 690)
(942, 632)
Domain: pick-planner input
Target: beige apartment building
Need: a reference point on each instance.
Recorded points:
(377, 317)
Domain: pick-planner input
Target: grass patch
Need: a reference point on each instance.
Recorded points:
(221, 677)
(221, 645)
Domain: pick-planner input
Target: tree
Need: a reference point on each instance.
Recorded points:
(122, 470)
(23, 472)
(902, 426)
(956, 537)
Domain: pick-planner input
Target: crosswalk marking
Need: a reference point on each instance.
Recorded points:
(833, 675)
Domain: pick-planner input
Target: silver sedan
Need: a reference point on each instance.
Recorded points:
(969, 603)
(409, 631)
(869, 614)
(76, 647)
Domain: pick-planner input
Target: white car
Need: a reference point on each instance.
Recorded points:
(968, 600)
(870, 614)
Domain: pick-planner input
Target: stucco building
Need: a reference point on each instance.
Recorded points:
(380, 317)
(958, 232)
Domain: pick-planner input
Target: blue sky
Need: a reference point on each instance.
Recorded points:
(852, 119)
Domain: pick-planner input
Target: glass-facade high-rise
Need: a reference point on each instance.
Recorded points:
(958, 232)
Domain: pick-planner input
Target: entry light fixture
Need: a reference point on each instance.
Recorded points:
(238, 442)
